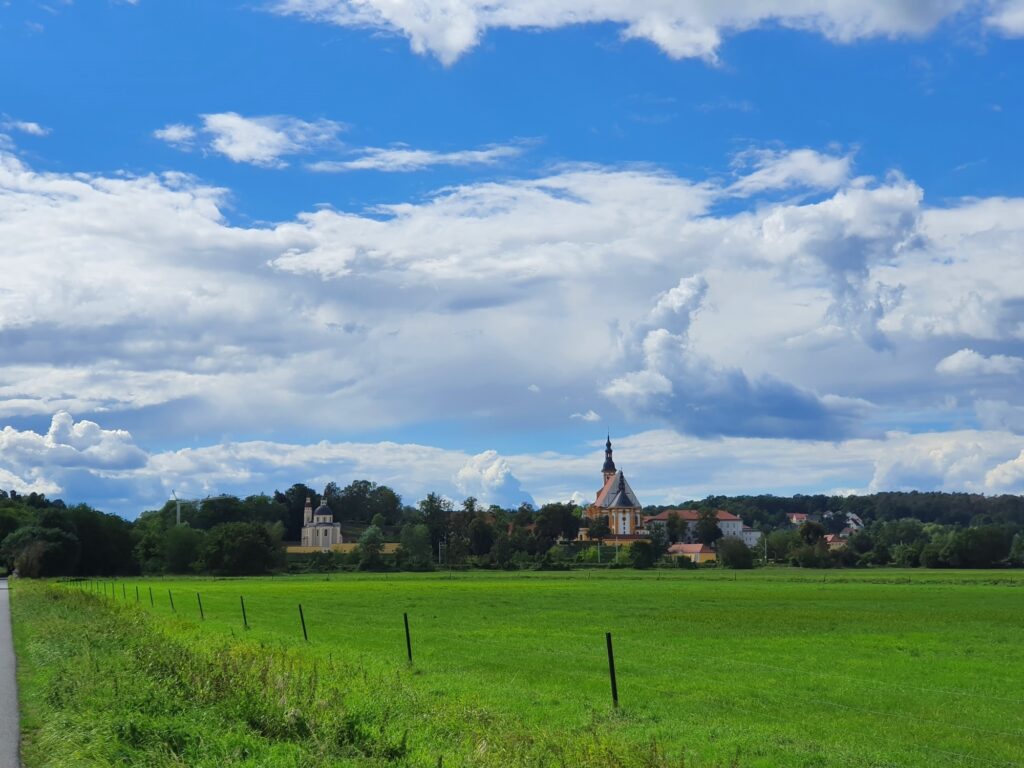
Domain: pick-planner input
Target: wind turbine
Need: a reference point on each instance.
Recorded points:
(197, 502)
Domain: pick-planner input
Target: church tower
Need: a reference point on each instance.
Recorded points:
(608, 470)
(616, 501)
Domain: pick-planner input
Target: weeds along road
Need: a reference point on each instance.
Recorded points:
(8, 686)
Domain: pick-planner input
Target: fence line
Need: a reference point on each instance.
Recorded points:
(885, 716)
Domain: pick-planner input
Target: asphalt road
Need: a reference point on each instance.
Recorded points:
(8, 686)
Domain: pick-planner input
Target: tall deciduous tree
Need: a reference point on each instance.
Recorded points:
(436, 510)
(182, 549)
(811, 532)
(371, 549)
(675, 527)
(599, 529)
(415, 550)
(481, 536)
(706, 528)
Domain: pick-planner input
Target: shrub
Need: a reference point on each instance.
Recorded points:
(643, 554)
(808, 556)
(733, 553)
(36, 551)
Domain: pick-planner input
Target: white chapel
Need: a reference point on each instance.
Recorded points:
(318, 526)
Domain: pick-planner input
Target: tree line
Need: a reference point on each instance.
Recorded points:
(237, 536)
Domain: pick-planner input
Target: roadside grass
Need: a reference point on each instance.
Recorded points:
(777, 667)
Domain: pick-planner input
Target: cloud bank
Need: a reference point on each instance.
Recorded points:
(665, 467)
(680, 28)
(819, 307)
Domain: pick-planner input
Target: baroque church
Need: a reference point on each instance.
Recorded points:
(318, 526)
(616, 500)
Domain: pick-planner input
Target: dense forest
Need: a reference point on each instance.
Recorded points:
(231, 535)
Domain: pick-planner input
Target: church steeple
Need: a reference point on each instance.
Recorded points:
(608, 470)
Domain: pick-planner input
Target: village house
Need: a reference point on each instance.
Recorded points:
(729, 524)
(835, 541)
(698, 553)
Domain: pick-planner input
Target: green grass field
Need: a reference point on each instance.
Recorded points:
(767, 668)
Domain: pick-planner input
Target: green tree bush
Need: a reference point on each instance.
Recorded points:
(643, 554)
(35, 551)
(706, 529)
(183, 546)
(239, 549)
(414, 550)
(371, 549)
(733, 553)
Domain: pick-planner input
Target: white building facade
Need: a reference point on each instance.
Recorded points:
(751, 537)
(318, 527)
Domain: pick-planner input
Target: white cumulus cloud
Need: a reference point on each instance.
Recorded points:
(488, 477)
(1007, 477)
(262, 140)
(782, 170)
(176, 134)
(1008, 17)
(967, 362)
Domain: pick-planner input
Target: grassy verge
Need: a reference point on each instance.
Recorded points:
(104, 684)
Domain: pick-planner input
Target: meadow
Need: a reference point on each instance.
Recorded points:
(777, 667)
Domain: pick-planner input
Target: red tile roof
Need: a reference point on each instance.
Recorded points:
(691, 515)
(690, 549)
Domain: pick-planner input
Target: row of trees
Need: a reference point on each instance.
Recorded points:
(230, 535)
(963, 509)
(907, 543)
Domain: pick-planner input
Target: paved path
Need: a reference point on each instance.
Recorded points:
(8, 687)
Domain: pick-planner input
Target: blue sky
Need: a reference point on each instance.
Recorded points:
(772, 246)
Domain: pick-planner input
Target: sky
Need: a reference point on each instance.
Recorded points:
(770, 246)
